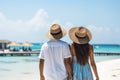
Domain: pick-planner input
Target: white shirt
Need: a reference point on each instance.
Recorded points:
(53, 53)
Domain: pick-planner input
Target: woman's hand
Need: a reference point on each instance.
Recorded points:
(97, 78)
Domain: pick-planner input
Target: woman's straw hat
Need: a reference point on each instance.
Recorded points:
(80, 35)
(56, 32)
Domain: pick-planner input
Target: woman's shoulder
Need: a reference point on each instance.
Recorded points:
(71, 46)
(91, 46)
(91, 49)
(72, 49)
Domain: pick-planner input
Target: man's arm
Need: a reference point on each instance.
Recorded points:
(41, 66)
(67, 62)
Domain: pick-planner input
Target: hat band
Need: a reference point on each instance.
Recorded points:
(80, 37)
(56, 33)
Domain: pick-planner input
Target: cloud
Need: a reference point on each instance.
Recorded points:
(39, 19)
(104, 34)
(35, 28)
(2, 17)
(68, 25)
(23, 30)
(100, 34)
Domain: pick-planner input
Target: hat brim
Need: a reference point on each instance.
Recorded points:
(49, 36)
(79, 41)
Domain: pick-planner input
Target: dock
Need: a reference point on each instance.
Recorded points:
(37, 52)
(19, 53)
(107, 53)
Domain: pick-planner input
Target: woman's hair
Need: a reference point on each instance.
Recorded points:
(82, 52)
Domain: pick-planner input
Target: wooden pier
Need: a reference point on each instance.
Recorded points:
(107, 53)
(36, 52)
(20, 53)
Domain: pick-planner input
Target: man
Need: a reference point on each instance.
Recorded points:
(55, 56)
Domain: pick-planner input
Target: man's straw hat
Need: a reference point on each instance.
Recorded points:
(56, 32)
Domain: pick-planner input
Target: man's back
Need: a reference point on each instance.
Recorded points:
(53, 53)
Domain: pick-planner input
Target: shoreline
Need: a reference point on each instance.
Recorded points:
(109, 69)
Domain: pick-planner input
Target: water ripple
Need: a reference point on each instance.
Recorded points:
(8, 62)
(31, 60)
(3, 69)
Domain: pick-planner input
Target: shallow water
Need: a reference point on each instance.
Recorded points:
(29, 64)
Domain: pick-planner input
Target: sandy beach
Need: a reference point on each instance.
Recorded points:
(109, 70)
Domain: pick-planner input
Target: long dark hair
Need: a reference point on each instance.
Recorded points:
(82, 52)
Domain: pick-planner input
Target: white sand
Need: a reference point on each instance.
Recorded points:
(109, 70)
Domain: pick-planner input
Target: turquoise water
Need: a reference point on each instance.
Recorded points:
(17, 68)
(97, 47)
(36, 46)
(107, 48)
(28, 65)
(23, 66)
(115, 48)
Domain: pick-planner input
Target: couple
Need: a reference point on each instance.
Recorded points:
(60, 61)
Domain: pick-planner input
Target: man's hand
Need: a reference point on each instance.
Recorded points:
(42, 77)
(70, 77)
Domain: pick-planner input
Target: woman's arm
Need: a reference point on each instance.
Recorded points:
(92, 61)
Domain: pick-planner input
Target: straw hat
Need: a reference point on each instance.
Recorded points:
(80, 35)
(56, 32)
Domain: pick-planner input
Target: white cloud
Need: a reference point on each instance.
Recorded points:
(68, 25)
(55, 21)
(34, 29)
(2, 17)
(103, 34)
(23, 30)
(39, 19)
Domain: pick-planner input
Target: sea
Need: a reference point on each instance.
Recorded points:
(26, 66)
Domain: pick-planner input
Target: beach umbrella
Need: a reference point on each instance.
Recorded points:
(27, 44)
(13, 44)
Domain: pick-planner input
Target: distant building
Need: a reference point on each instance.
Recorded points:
(3, 44)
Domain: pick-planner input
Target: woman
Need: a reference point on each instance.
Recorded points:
(82, 53)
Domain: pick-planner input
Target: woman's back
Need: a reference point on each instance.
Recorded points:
(81, 72)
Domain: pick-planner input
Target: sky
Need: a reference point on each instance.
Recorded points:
(29, 20)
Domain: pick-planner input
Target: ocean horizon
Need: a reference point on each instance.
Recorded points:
(97, 47)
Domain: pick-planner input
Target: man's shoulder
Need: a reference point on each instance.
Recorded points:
(59, 42)
(44, 44)
(63, 42)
